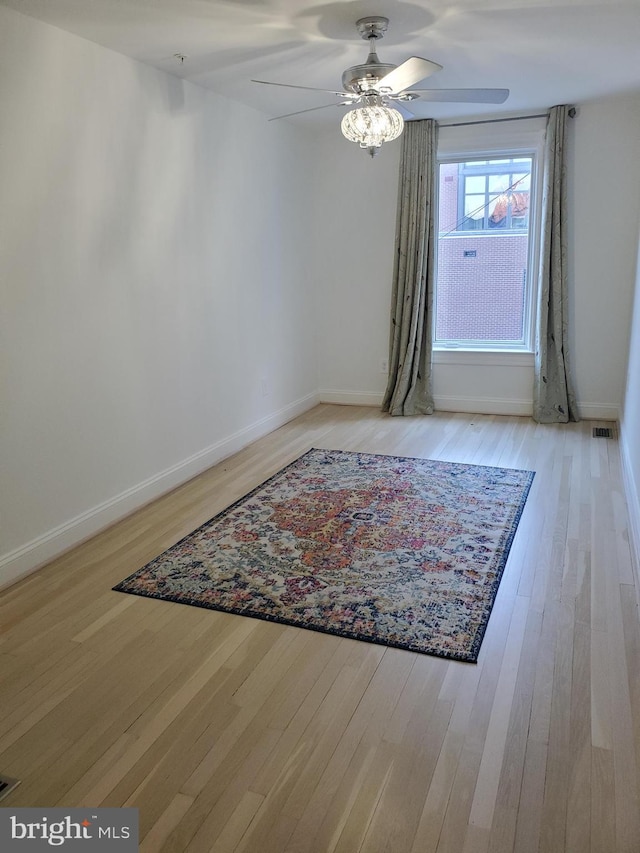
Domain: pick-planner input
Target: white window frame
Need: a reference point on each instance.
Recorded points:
(468, 144)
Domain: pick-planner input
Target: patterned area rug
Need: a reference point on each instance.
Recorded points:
(399, 551)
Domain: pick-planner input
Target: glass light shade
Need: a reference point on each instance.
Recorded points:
(372, 125)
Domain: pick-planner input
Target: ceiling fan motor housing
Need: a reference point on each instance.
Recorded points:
(363, 78)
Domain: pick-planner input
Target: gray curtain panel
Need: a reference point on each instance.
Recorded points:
(553, 397)
(409, 388)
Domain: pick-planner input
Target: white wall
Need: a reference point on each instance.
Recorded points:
(630, 425)
(356, 199)
(157, 313)
(357, 264)
(603, 240)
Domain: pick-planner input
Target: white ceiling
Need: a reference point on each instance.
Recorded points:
(545, 52)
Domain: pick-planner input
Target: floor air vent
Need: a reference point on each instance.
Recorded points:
(7, 785)
(602, 432)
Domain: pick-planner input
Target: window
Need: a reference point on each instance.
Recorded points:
(484, 252)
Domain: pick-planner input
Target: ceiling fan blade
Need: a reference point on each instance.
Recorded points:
(306, 88)
(412, 70)
(313, 109)
(463, 96)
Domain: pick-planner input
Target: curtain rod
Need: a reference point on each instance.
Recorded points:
(572, 113)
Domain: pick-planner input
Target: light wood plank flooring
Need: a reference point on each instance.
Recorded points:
(232, 734)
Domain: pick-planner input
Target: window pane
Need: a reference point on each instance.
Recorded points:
(519, 206)
(498, 183)
(481, 275)
(474, 206)
(521, 182)
(475, 184)
(493, 200)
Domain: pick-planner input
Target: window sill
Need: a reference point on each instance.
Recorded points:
(483, 232)
(487, 358)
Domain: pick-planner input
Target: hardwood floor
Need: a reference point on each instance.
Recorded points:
(232, 734)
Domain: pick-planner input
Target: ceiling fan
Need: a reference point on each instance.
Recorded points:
(381, 92)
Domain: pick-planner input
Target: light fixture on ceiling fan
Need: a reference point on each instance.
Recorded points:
(372, 124)
(375, 86)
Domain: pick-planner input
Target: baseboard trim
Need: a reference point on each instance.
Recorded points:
(39, 551)
(351, 398)
(632, 495)
(598, 412)
(502, 406)
(470, 405)
(483, 405)
(477, 406)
